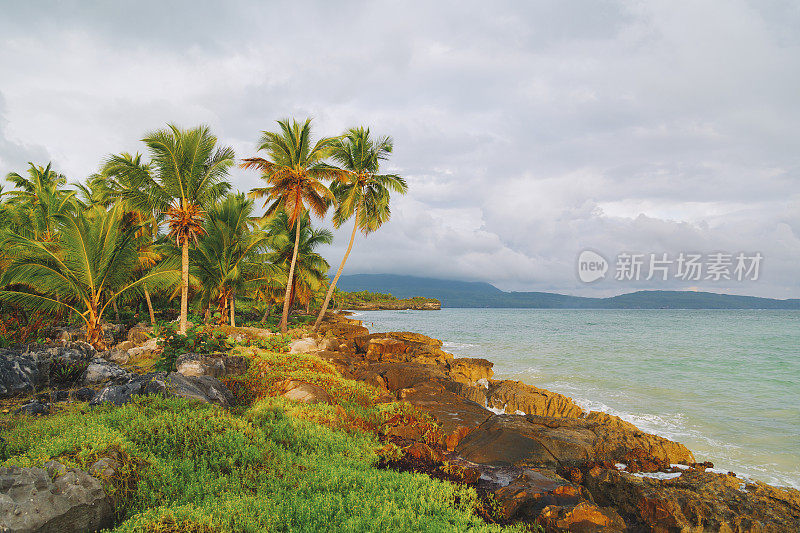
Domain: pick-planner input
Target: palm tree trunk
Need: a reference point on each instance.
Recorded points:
(267, 312)
(324, 308)
(184, 286)
(150, 307)
(233, 310)
(116, 309)
(285, 316)
(94, 331)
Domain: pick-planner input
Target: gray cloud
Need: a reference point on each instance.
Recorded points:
(527, 132)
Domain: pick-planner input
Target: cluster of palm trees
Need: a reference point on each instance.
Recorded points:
(172, 225)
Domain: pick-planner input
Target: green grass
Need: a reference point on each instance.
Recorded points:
(194, 467)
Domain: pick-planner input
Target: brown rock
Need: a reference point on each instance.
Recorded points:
(303, 392)
(535, 489)
(138, 335)
(697, 501)
(423, 452)
(403, 375)
(584, 517)
(516, 396)
(468, 370)
(536, 441)
(450, 410)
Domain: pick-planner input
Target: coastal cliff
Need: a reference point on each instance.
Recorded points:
(536, 455)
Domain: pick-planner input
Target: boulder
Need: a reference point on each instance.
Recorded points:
(84, 394)
(35, 408)
(202, 388)
(125, 346)
(548, 442)
(401, 375)
(117, 355)
(533, 490)
(401, 346)
(303, 392)
(695, 501)
(471, 371)
(137, 336)
(328, 344)
(69, 500)
(304, 345)
(515, 397)
(100, 371)
(19, 374)
(146, 349)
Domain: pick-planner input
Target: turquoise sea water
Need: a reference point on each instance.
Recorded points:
(724, 383)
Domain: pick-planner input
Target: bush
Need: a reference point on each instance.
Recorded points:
(197, 340)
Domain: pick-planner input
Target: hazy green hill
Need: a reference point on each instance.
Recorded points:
(477, 294)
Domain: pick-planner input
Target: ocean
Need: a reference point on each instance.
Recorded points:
(726, 383)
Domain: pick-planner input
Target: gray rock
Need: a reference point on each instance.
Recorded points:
(19, 374)
(138, 335)
(101, 371)
(202, 388)
(304, 345)
(33, 409)
(84, 394)
(216, 366)
(55, 500)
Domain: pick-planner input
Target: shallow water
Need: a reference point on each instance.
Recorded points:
(726, 383)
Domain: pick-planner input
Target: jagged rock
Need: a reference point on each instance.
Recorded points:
(303, 392)
(584, 517)
(125, 346)
(476, 393)
(696, 501)
(304, 345)
(328, 344)
(19, 374)
(548, 442)
(217, 365)
(535, 489)
(31, 500)
(514, 396)
(118, 394)
(401, 346)
(450, 410)
(346, 331)
(101, 371)
(470, 371)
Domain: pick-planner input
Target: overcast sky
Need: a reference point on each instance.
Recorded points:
(528, 131)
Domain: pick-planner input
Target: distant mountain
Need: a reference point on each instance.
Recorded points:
(478, 294)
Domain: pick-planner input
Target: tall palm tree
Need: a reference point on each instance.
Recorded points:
(225, 258)
(294, 170)
(361, 193)
(186, 173)
(90, 265)
(311, 267)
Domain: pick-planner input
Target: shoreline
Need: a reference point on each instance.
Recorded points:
(593, 451)
(638, 401)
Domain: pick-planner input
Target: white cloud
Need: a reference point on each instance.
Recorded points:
(527, 132)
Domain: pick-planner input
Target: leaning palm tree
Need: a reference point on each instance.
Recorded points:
(186, 173)
(91, 264)
(294, 171)
(362, 193)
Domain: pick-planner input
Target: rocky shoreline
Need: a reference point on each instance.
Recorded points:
(532, 455)
(537, 455)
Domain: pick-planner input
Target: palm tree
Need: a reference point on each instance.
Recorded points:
(311, 267)
(293, 171)
(91, 264)
(39, 200)
(362, 193)
(225, 258)
(186, 173)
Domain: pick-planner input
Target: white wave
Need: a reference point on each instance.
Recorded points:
(457, 345)
(658, 475)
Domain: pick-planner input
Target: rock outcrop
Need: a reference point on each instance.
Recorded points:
(215, 365)
(53, 500)
(19, 374)
(203, 388)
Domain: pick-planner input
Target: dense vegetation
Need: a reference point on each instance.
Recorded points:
(272, 465)
(170, 229)
(352, 300)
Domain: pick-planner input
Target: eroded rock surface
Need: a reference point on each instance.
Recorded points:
(55, 500)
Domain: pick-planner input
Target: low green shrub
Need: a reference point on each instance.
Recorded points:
(196, 340)
(203, 469)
